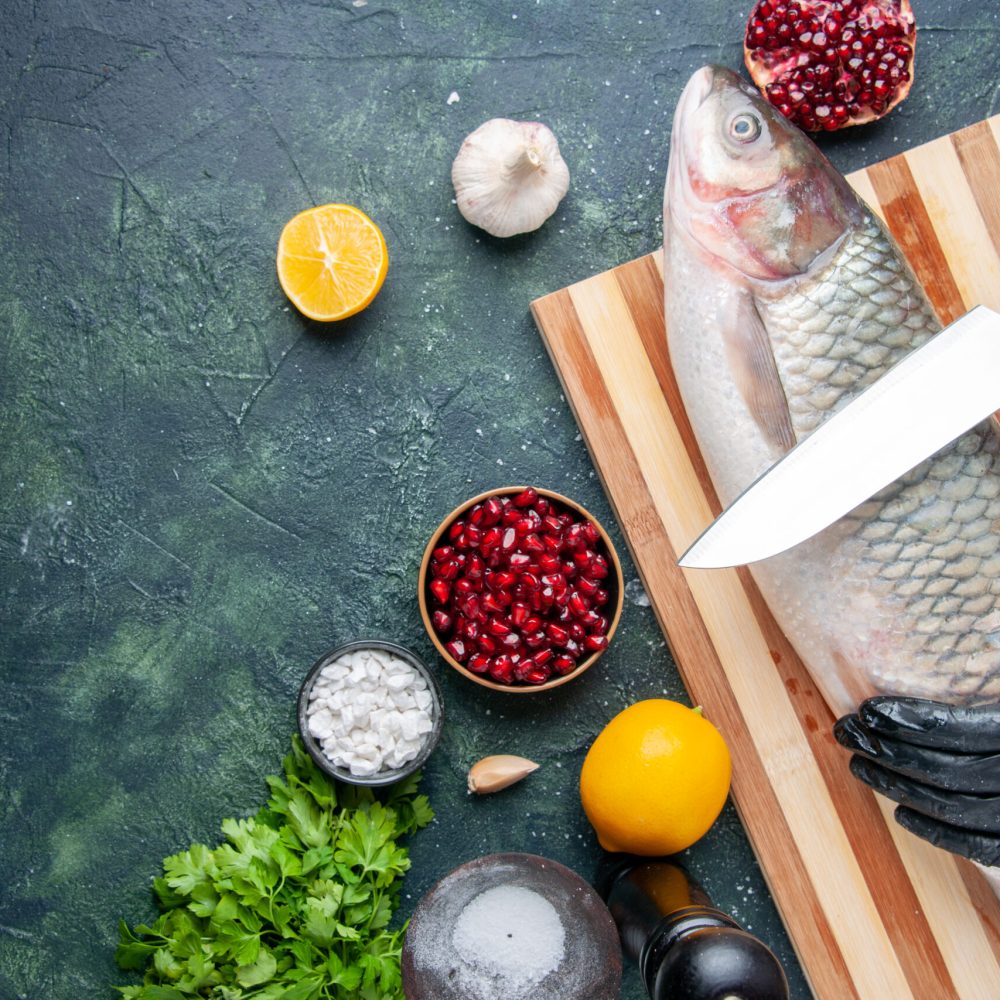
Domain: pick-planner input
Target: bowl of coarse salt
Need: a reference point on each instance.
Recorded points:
(370, 713)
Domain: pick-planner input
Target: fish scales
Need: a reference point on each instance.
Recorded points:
(902, 595)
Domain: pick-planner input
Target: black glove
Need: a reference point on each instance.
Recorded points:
(941, 763)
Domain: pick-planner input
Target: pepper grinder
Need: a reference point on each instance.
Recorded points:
(685, 947)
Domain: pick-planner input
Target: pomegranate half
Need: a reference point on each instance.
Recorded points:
(827, 64)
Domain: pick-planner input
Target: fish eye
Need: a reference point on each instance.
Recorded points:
(745, 127)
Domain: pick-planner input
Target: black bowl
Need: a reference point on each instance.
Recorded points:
(380, 778)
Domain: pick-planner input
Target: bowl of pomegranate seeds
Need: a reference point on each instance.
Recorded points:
(520, 589)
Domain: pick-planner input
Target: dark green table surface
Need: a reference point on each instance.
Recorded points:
(201, 492)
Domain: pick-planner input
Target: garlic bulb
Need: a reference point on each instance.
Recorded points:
(491, 774)
(509, 177)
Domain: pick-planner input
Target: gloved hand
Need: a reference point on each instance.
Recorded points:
(941, 763)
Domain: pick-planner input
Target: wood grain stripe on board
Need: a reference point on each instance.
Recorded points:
(977, 149)
(682, 624)
(861, 183)
(743, 652)
(945, 188)
(641, 284)
(908, 221)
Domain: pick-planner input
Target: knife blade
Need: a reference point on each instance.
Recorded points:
(921, 404)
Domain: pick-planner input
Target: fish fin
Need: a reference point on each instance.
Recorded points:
(748, 350)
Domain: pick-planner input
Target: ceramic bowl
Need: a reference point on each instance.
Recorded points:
(389, 776)
(614, 584)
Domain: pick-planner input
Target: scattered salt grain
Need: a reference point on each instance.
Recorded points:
(636, 593)
(370, 711)
(453, 97)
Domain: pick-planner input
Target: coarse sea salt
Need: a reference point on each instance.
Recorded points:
(370, 711)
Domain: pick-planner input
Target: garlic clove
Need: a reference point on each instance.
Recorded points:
(509, 176)
(491, 774)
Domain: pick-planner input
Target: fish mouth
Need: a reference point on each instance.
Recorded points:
(695, 93)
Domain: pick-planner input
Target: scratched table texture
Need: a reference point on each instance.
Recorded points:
(201, 492)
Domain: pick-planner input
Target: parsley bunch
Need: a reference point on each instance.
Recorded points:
(295, 903)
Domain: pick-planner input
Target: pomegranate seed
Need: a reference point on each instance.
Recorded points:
(526, 498)
(511, 515)
(465, 586)
(500, 579)
(502, 669)
(532, 543)
(456, 529)
(529, 580)
(586, 586)
(598, 567)
(535, 640)
(473, 536)
(441, 590)
(470, 606)
(593, 643)
(497, 627)
(519, 560)
(478, 663)
(562, 598)
(447, 570)
(556, 633)
(491, 604)
(537, 676)
(491, 539)
(542, 506)
(575, 537)
(600, 627)
(578, 604)
(504, 597)
(577, 632)
(511, 641)
(442, 622)
(563, 665)
(542, 656)
(552, 524)
(556, 581)
(474, 568)
(456, 648)
(548, 597)
(601, 596)
(572, 649)
(553, 543)
(471, 630)
(492, 511)
(519, 613)
(442, 552)
(532, 624)
(549, 563)
(487, 644)
(475, 515)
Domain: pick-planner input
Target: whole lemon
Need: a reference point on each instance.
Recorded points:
(655, 779)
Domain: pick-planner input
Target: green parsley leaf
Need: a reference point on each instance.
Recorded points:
(294, 904)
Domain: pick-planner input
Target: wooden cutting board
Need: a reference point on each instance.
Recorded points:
(873, 912)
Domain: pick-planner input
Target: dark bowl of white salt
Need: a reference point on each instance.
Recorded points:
(511, 927)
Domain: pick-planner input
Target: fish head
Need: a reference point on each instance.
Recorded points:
(751, 189)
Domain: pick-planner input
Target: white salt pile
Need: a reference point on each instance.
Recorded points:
(511, 927)
(509, 939)
(370, 711)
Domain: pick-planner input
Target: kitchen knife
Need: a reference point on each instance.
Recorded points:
(921, 404)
